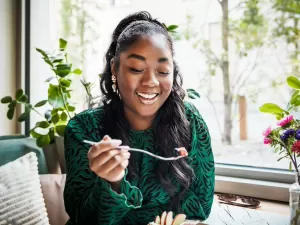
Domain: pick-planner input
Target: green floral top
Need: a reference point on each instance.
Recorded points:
(90, 199)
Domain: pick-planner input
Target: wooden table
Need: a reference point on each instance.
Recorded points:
(270, 213)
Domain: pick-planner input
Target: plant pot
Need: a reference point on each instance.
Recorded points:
(295, 201)
(52, 159)
(60, 147)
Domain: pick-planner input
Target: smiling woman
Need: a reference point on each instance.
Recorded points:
(144, 79)
(143, 108)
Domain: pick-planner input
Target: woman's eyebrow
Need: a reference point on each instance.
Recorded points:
(142, 58)
(135, 56)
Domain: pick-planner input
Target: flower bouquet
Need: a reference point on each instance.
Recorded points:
(285, 139)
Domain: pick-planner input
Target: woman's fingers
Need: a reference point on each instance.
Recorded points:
(103, 158)
(119, 170)
(102, 146)
(115, 161)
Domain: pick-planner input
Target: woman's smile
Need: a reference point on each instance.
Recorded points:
(147, 98)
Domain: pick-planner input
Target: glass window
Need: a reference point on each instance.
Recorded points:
(259, 62)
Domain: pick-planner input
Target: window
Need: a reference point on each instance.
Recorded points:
(258, 60)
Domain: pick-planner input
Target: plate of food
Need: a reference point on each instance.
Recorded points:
(167, 218)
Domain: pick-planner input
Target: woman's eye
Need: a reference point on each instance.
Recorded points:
(164, 73)
(136, 70)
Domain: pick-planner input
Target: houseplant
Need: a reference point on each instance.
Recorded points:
(285, 139)
(54, 120)
(60, 110)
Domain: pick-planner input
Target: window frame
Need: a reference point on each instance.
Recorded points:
(265, 183)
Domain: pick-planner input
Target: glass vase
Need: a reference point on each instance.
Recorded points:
(295, 201)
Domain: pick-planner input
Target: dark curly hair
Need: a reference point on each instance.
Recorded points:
(172, 129)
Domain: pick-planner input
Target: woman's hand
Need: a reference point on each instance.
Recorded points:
(108, 162)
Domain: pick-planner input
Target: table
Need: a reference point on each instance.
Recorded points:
(233, 215)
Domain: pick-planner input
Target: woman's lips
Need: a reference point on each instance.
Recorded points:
(147, 98)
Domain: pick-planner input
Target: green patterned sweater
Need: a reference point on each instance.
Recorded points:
(90, 199)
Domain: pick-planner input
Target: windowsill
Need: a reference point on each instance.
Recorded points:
(267, 190)
(268, 206)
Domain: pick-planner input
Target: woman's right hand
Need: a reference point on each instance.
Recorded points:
(108, 162)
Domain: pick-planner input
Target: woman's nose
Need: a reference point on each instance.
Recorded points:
(150, 79)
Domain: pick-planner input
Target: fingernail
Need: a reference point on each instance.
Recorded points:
(117, 142)
(106, 137)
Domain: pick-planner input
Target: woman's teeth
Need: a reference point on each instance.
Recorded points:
(147, 99)
(147, 96)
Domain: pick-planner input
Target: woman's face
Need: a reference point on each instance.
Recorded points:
(145, 76)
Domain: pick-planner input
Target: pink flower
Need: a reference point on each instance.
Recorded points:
(267, 132)
(296, 147)
(267, 141)
(285, 121)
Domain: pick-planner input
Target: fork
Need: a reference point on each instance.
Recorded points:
(142, 151)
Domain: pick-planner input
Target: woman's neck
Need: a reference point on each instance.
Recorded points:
(137, 122)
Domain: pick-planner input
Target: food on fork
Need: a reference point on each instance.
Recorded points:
(167, 219)
(181, 151)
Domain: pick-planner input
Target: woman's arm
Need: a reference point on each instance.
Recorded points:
(88, 198)
(197, 201)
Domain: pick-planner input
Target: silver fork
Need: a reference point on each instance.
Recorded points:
(142, 151)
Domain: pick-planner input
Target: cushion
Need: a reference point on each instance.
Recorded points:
(21, 198)
(53, 187)
(15, 146)
(14, 136)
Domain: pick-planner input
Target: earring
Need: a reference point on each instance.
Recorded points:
(114, 86)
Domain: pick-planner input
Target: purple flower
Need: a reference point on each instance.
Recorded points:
(298, 134)
(287, 134)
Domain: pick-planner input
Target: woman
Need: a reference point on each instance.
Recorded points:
(143, 108)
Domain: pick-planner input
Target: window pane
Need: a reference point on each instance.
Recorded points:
(258, 62)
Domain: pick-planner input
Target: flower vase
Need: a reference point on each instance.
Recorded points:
(295, 201)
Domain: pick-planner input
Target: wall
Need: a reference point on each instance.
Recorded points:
(8, 60)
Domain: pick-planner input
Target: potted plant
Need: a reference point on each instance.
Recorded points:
(285, 139)
(54, 120)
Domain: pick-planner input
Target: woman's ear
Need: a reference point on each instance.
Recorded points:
(113, 67)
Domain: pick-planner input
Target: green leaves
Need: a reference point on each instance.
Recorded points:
(63, 70)
(10, 113)
(77, 71)
(55, 118)
(295, 99)
(6, 99)
(42, 52)
(41, 103)
(60, 130)
(60, 108)
(271, 108)
(192, 94)
(64, 116)
(172, 28)
(62, 43)
(43, 141)
(71, 108)
(54, 97)
(293, 82)
(19, 94)
(274, 110)
(64, 82)
(24, 116)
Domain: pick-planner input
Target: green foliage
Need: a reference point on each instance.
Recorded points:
(61, 110)
(273, 109)
(285, 147)
(293, 82)
(251, 30)
(287, 27)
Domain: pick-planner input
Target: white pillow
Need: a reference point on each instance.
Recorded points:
(21, 198)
